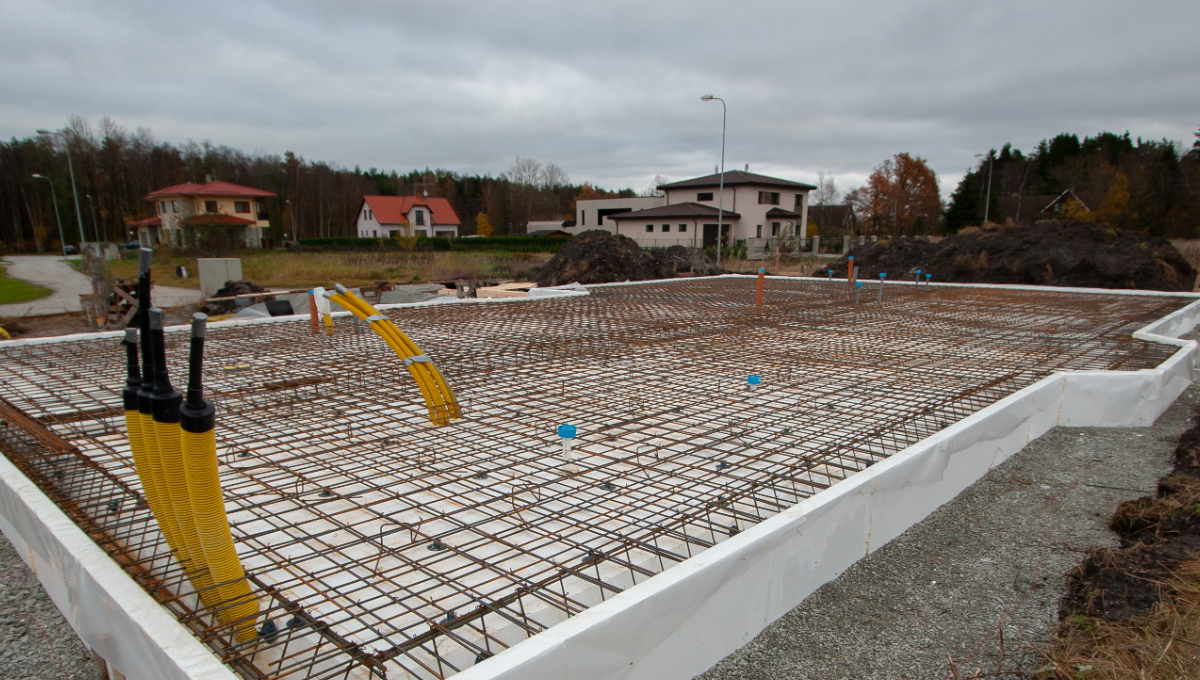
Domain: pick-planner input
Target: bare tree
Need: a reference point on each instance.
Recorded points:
(826, 193)
(525, 171)
(653, 190)
(553, 177)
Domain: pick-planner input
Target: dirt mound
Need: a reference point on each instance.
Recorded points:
(681, 259)
(599, 257)
(230, 289)
(1078, 254)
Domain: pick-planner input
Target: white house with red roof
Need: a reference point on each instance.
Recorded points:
(387, 216)
(183, 210)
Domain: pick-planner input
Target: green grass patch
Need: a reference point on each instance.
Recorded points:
(15, 290)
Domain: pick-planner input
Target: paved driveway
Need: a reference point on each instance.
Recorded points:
(54, 273)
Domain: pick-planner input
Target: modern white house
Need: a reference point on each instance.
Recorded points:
(388, 216)
(757, 209)
(597, 214)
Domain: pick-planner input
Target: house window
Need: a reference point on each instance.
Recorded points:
(649, 227)
(704, 196)
(799, 201)
(666, 227)
(241, 206)
(583, 218)
(758, 234)
(210, 206)
(682, 228)
(373, 233)
(420, 218)
(768, 198)
(774, 229)
(421, 233)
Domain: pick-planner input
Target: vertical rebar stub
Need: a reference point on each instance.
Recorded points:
(199, 325)
(145, 259)
(156, 319)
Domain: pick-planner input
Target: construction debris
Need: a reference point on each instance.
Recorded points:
(229, 290)
(682, 260)
(1077, 254)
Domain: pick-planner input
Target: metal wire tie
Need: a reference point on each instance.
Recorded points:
(418, 359)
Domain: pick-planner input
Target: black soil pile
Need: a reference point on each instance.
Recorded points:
(230, 289)
(1158, 533)
(1076, 254)
(600, 257)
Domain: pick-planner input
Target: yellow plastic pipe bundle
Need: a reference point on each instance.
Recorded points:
(143, 442)
(170, 477)
(197, 430)
(439, 398)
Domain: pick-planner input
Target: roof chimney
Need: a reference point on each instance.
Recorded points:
(207, 179)
(747, 167)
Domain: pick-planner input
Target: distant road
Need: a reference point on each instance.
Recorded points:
(54, 273)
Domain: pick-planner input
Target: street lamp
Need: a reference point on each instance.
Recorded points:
(74, 193)
(295, 236)
(721, 198)
(95, 224)
(988, 203)
(61, 241)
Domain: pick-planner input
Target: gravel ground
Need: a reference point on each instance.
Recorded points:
(35, 642)
(54, 273)
(991, 560)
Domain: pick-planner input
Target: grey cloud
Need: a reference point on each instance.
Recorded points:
(610, 90)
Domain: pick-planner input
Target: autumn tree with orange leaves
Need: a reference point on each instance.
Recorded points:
(900, 197)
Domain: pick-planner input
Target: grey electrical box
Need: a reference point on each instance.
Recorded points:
(215, 271)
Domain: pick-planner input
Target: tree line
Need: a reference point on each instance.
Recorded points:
(1142, 185)
(115, 168)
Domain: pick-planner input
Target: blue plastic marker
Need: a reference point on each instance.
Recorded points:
(927, 277)
(567, 433)
(857, 291)
(882, 276)
(830, 274)
(753, 381)
(918, 279)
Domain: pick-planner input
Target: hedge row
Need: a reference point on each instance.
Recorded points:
(512, 244)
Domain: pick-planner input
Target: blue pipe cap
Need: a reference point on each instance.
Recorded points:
(829, 270)
(762, 271)
(918, 271)
(566, 431)
(929, 276)
(753, 380)
(851, 257)
(858, 283)
(882, 275)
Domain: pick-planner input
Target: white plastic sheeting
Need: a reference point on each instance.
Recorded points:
(683, 620)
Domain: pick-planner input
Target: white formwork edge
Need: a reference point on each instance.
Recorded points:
(684, 620)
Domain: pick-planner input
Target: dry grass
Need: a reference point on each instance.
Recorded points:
(799, 266)
(1161, 645)
(302, 270)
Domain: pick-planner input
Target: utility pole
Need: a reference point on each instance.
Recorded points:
(74, 192)
(988, 203)
(721, 196)
(61, 240)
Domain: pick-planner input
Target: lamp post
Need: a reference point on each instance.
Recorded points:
(74, 192)
(295, 236)
(61, 241)
(988, 204)
(95, 224)
(721, 197)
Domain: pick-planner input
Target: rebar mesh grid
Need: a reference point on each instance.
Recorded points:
(383, 547)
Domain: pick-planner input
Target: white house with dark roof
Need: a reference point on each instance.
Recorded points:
(756, 208)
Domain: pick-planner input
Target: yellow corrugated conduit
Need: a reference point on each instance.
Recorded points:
(439, 398)
(164, 404)
(174, 451)
(143, 442)
(197, 429)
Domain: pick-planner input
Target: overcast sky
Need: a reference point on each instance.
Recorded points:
(610, 91)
